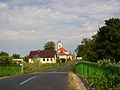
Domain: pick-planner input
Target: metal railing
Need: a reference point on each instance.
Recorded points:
(88, 69)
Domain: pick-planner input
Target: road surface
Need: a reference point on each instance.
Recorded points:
(55, 79)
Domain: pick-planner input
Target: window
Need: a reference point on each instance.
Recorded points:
(43, 59)
(47, 59)
(51, 59)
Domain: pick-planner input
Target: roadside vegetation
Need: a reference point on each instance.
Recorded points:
(10, 67)
(103, 75)
(36, 66)
(102, 56)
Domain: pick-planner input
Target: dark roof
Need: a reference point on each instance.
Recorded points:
(42, 54)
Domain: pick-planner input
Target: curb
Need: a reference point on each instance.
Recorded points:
(84, 82)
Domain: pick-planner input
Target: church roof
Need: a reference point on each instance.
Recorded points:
(62, 49)
(71, 55)
(61, 54)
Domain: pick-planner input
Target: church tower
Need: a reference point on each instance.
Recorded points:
(59, 44)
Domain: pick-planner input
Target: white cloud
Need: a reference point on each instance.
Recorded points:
(3, 5)
(68, 20)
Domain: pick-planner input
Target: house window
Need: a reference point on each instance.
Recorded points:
(43, 59)
(47, 59)
(51, 59)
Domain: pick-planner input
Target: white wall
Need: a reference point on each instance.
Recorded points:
(62, 57)
(44, 60)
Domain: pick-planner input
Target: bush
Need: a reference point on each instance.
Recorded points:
(5, 60)
(107, 62)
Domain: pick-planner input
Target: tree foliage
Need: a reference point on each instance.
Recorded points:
(4, 53)
(108, 40)
(16, 56)
(105, 44)
(26, 58)
(86, 49)
(49, 46)
(5, 60)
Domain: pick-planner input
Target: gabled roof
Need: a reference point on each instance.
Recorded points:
(62, 49)
(71, 55)
(61, 54)
(47, 53)
(34, 53)
(42, 54)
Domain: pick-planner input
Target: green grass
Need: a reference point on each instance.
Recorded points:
(6, 70)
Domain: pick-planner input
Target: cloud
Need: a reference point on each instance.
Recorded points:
(3, 5)
(46, 20)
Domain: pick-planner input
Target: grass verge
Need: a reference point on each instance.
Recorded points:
(34, 67)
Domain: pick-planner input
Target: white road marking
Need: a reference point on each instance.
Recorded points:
(28, 80)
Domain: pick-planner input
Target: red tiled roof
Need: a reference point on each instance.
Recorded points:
(62, 49)
(42, 54)
(61, 54)
(71, 55)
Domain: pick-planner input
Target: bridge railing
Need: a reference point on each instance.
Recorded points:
(89, 69)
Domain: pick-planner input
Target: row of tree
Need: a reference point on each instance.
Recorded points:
(6, 59)
(105, 44)
(5, 54)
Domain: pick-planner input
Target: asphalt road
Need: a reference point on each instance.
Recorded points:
(55, 79)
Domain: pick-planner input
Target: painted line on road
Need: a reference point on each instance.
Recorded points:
(53, 72)
(28, 80)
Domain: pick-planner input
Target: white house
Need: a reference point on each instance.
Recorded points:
(43, 56)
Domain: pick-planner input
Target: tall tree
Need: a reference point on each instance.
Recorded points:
(107, 40)
(104, 45)
(49, 46)
(86, 49)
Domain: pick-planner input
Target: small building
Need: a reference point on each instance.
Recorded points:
(18, 60)
(43, 56)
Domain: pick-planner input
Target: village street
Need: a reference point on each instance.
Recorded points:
(55, 79)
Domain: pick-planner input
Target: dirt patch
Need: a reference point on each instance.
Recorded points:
(75, 82)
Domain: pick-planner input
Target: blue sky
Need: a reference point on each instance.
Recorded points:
(27, 25)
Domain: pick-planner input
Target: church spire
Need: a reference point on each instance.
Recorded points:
(59, 45)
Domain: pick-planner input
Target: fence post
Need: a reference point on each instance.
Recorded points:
(21, 67)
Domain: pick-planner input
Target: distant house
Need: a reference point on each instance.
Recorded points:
(44, 56)
(18, 60)
(63, 53)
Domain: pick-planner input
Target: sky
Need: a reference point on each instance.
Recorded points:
(27, 25)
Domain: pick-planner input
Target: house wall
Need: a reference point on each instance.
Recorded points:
(70, 57)
(62, 56)
(44, 60)
(47, 60)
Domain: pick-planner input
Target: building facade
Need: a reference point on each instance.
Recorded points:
(62, 53)
(50, 56)
(43, 56)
